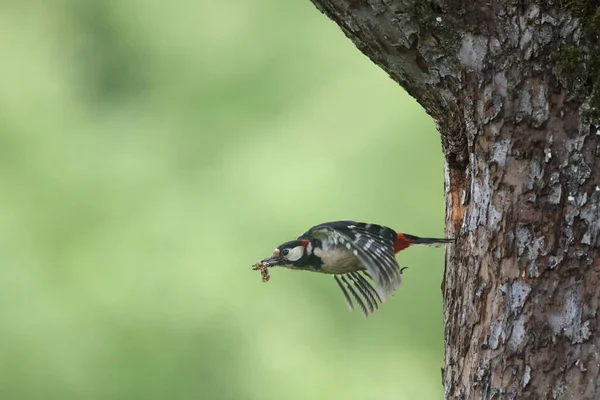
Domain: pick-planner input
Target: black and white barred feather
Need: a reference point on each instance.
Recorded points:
(373, 246)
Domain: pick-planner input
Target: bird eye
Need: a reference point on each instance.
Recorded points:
(285, 252)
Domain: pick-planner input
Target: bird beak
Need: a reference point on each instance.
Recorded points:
(274, 260)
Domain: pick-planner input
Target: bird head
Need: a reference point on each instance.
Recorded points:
(293, 254)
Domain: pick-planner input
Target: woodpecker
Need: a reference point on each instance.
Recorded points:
(351, 251)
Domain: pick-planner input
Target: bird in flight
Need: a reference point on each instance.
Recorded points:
(355, 253)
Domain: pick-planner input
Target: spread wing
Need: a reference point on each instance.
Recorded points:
(373, 245)
(355, 284)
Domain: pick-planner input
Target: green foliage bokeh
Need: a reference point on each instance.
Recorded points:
(150, 152)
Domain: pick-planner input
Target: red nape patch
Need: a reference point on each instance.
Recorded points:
(305, 243)
(401, 243)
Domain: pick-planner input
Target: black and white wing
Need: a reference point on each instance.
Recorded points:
(373, 245)
(364, 294)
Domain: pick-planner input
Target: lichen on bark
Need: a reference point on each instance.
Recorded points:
(578, 68)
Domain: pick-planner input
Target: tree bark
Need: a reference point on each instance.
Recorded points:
(513, 87)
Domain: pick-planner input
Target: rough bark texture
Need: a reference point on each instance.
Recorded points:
(514, 89)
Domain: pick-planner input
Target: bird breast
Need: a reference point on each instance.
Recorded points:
(338, 260)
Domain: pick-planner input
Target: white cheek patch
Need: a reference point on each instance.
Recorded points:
(296, 253)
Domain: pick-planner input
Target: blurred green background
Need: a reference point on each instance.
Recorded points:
(150, 152)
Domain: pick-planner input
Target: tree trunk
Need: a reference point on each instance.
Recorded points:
(514, 89)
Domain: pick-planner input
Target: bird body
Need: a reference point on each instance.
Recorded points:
(337, 260)
(351, 251)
